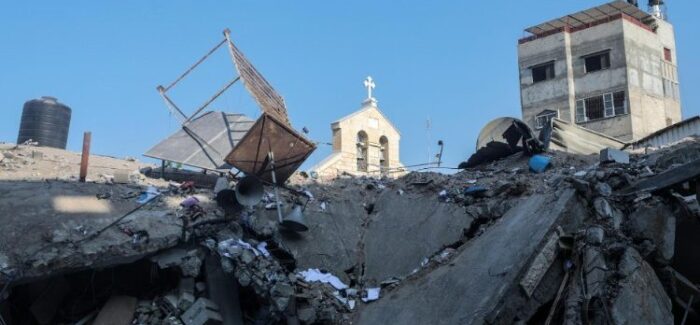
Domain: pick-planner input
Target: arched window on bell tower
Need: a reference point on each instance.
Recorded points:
(384, 157)
(362, 151)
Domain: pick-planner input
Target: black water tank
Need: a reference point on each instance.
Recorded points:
(46, 121)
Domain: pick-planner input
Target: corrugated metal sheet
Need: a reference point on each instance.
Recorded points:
(575, 139)
(205, 141)
(670, 134)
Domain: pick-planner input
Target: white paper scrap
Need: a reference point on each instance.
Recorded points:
(314, 275)
(372, 294)
(262, 247)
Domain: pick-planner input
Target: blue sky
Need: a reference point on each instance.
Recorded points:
(453, 62)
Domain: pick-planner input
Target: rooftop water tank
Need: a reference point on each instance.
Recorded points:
(46, 121)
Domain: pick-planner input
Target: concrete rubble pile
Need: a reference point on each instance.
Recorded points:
(606, 239)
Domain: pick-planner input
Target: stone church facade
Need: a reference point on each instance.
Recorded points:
(365, 143)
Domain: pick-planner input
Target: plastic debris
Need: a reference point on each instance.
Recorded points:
(539, 163)
(150, 194)
(189, 202)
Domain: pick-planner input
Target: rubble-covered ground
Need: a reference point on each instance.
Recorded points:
(584, 242)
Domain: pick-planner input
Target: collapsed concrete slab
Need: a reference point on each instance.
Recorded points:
(642, 299)
(654, 220)
(52, 226)
(466, 290)
(406, 229)
(332, 240)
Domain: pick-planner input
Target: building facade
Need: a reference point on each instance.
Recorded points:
(365, 143)
(611, 69)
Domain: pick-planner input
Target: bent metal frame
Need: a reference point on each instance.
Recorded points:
(272, 134)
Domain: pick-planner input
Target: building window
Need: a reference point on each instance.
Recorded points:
(671, 90)
(580, 111)
(384, 147)
(597, 62)
(594, 108)
(667, 54)
(362, 151)
(543, 72)
(544, 118)
(602, 106)
(608, 105)
(620, 102)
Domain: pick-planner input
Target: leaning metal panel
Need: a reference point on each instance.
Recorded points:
(268, 134)
(205, 141)
(269, 100)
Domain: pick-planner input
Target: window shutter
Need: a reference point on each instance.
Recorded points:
(580, 111)
(608, 104)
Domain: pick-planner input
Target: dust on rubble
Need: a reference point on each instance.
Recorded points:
(371, 246)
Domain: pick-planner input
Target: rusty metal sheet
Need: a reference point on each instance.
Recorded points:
(269, 100)
(269, 134)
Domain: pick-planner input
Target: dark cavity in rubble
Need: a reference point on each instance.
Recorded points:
(66, 299)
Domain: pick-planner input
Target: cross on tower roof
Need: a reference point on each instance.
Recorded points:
(369, 84)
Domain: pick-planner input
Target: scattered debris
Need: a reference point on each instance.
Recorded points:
(577, 242)
(608, 155)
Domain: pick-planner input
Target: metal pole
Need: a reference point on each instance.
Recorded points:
(84, 156)
(687, 309)
(271, 155)
(550, 316)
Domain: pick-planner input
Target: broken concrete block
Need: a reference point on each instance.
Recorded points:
(595, 271)
(307, 315)
(185, 301)
(603, 208)
(603, 189)
(395, 246)
(119, 310)
(477, 279)
(656, 221)
(189, 261)
(281, 294)
(202, 312)
(642, 299)
(608, 155)
(121, 177)
(595, 235)
(582, 187)
(171, 299)
(192, 263)
(539, 266)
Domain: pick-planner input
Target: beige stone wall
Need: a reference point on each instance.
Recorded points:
(344, 158)
(651, 110)
(637, 66)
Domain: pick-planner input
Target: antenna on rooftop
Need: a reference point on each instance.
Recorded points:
(428, 125)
